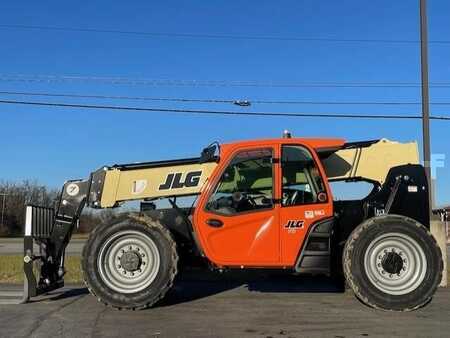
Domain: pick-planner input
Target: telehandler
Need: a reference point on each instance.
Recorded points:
(263, 204)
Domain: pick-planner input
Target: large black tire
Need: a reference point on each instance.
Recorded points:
(392, 263)
(151, 280)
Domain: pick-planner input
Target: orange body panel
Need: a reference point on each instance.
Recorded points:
(260, 238)
(292, 241)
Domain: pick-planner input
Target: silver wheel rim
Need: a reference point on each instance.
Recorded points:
(128, 262)
(381, 253)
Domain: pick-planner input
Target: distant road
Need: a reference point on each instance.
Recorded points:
(14, 246)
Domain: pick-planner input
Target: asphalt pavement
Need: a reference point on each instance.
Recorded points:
(226, 306)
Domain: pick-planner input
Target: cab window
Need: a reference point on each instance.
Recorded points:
(302, 182)
(246, 184)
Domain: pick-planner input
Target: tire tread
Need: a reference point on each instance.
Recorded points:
(149, 222)
(347, 261)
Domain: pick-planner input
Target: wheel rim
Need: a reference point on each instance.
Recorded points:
(395, 263)
(128, 262)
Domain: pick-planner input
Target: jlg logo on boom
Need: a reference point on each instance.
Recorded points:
(174, 180)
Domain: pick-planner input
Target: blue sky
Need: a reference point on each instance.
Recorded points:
(52, 145)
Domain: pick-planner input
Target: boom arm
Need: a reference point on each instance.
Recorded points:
(369, 161)
(136, 182)
(110, 186)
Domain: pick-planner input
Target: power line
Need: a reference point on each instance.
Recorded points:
(120, 97)
(221, 112)
(215, 36)
(211, 83)
(230, 101)
(350, 103)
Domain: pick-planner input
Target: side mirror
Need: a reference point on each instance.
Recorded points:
(208, 154)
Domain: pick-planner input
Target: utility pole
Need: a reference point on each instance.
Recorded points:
(425, 96)
(3, 208)
(437, 228)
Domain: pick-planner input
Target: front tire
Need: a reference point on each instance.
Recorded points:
(393, 263)
(129, 264)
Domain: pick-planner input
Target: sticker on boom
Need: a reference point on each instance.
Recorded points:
(138, 187)
(72, 189)
(175, 181)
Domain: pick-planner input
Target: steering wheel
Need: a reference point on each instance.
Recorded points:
(241, 196)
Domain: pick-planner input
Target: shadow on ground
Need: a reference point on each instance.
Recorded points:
(193, 285)
(73, 292)
(201, 283)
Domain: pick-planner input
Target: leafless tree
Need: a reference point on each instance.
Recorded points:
(17, 195)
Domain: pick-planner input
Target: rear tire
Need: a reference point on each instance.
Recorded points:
(129, 265)
(392, 263)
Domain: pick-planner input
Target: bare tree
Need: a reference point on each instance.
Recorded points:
(90, 219)
(17, 195)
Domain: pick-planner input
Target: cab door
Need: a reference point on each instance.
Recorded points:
(305, 198)
(238, 222)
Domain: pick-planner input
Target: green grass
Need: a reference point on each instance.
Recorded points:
(11, 270)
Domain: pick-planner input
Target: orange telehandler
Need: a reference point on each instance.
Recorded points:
(264, 204)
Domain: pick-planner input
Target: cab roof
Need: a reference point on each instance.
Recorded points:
(319, 144)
